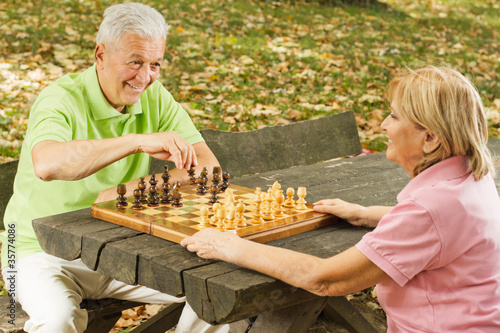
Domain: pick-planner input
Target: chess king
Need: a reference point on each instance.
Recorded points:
(87, 133)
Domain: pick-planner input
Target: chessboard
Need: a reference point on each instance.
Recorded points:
(197, 213)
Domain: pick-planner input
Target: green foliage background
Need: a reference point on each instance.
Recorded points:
(240, 65)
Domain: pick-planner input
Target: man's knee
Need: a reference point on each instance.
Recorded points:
(71, 320)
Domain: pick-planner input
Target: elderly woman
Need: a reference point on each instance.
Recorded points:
(435, 256)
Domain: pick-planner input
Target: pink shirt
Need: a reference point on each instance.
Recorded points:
(441, 247)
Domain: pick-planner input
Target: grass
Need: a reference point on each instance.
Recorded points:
(240, 65)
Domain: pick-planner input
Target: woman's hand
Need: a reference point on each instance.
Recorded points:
(353, 213)
(211, 244)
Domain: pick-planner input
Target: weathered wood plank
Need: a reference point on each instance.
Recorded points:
(61, 235)
(119, 259)
(92, 244)
(163, 271)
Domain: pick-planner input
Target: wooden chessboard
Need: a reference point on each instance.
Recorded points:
(175, 224)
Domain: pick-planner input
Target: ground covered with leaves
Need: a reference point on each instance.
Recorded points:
(240, 65)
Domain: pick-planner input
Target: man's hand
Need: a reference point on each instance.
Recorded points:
(169, 146)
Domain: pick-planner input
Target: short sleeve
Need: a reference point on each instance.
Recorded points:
(404, 243)
(48, 123)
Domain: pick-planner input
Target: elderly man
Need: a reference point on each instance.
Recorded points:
(87, 133)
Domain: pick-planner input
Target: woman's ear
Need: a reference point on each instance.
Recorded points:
(431, 142)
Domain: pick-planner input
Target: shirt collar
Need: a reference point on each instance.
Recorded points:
(448, 169)
(99, 106)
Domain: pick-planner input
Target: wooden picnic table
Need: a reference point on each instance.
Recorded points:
(220, 292)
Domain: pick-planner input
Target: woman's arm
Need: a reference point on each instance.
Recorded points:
(344, 273)
(355, 214)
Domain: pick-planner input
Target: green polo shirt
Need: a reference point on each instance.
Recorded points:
(74, 108)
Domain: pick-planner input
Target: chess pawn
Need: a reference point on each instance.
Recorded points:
(142, 186)
(267, 212)
(229, 197)
(289, 202)
(137, 202)
(225, 182)
(215, 208)
(217, 175)
(240, 209)
(257, 216)
(220, 215)
(214, 189)
(301, 202)
(121, 200)
(167, 193)
(153, 197)
(279, 199)
(205, 222)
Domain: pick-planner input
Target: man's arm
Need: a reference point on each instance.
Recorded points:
(78, 159)
(205, 159)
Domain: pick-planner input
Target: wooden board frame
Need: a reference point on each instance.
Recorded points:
(169, 223)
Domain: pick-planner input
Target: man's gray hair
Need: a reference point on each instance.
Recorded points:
(132, 17)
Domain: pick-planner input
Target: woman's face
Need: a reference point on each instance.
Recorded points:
(405, 144)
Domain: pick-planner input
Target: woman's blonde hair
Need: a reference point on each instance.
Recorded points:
(446, 103)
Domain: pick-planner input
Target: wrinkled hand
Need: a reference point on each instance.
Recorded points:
(211, 244)
(169, 146)
(345, 210)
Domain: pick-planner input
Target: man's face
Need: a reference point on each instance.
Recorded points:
(127, 71)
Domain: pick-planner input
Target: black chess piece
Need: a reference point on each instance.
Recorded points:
(121, 200)
(225, 183)
(192, 177)
(142, 186)
(153, 192)
(137, 202)
(214, 189)
(202, 189)
(217, 175)
(176, 195)
(167, 193)
(166, 175)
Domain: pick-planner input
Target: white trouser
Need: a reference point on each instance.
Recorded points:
(51, 289)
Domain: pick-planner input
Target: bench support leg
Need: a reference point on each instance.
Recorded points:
(342, 311)
(296, 319)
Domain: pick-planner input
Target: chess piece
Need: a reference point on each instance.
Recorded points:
(176, 195)
(192, 177)
(225, 182)
(230, 217)
(137, 202)
(142, 186)
(301, 202)
(121, 200)
(205, 222)
(217, 176)
(267, 211)
(279, 199)
(153, 192)
(240, 209)
(289, 202)
(167, 193)
(166, 175)
(257, 216)
(229, 197)
(220, 215)
(215, 208)
(275, 188)
(201, 186)
(214, 189)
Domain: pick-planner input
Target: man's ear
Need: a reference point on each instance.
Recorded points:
(431, 142)
(99, 54)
